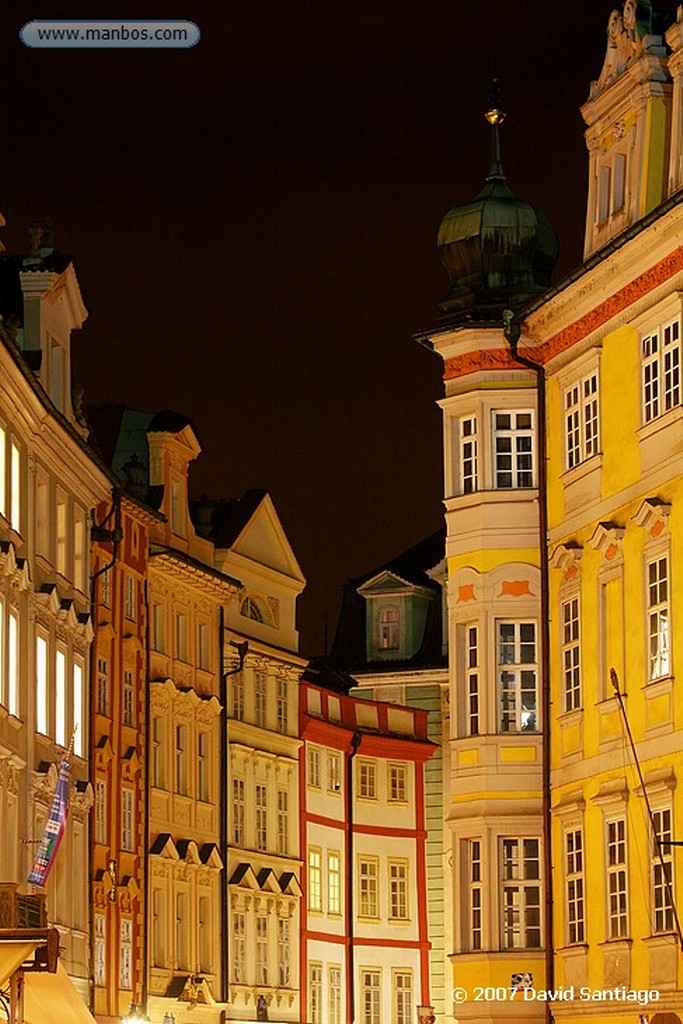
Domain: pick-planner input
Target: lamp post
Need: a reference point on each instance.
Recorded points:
(135, 1015)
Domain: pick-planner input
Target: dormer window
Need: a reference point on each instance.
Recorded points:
(389, 629)
(177, 516)
(251, 609)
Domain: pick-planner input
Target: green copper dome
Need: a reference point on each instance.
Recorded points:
(498, 250)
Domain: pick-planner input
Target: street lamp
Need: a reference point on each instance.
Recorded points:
(135, 1015)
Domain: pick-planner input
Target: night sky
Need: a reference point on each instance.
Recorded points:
(254, 223)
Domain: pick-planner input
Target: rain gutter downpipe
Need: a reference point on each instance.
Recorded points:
(350, 879)
(512, 331)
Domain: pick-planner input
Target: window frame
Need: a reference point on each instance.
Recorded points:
(616, 864)
(575, 886)
(660, 362)
(368, 887)
(581, 419)
(517, 669)
(517, 456)
(521, 884)
(570, 652)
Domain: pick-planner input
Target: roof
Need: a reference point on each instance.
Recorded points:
(223, 520)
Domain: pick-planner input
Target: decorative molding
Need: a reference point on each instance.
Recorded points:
(653, 516)
(472, 362)
(567, 558)
(607, 538)
(515, 588)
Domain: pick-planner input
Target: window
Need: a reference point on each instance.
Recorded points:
(283, 940)
(476, 891)
(100, 811)
(314, 767)
(513, 442)
(126, 962)
(661, 358)
(102, 686)
(574, 881)
(251, 609)
(204, 660)
(238, 947)
(282, 822)
(127, 837)
(104, 584)
(177, 517)
(333, 882)
(42, 510)
(261, 818)
(13, 664)
(60, 553)
(203, 769)
(472, 660)
(517, 676)
(581, 420)
(204, 917)
(238, 697)
(100, 950)
(370, 986)
(238, 811)
(41, 685)
(78, 727)
(315, 993)
(181, 636)
(521, 891)
(389, 632)
(3, 472)
(158, 928)
(3, 679)
(468, 455)
(180, 761)
(662, 876)
(261, 949)
(158, 628)
(260, 699)
(334, 994)
(398, 890)
(315, 879)
(403, 997)
(659, 662)
(334, 773)
(128, 698)
(571, 654)
(130, 597)
(182, 930)
(60, 698)
(367, 887)
(79, 549)
(282, 706)
(158, 774)
(397, 782)
(367, 780)
(616, 879)
(15, 489)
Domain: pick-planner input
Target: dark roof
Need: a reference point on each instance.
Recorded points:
(160, 842)
(223, 520)
(411, 565)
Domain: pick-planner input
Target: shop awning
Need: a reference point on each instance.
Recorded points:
(12, 956)
(52, 999)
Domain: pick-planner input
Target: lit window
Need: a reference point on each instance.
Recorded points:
(13, 664)
(571, 654)
(314, 767)
(334, 772)
(659, 661)
(617, 889)
(128, 698)
(370, 990)
(282, 706)
(3, 472)
(60, 553)
(581, 420)
(315, 993)
(574, 883)
(367, 780)
(472, 658)
(3, 680)
(662, 872)
(100, 811)
(251, 609)
(513, 443)
(126, 972)
(315, 879)
(261, 818)
(60, 698)
(368, 887)
(203, 769)
(261, 949)
(403, 997)
(127, 832)
(468, 455)
(102, 686)
(79, 728)
(521, 891)
(397, 782)
(41, 685)
(389, 632)
(260, 699)
(661, 361)
(333, 882)
(79, 549)
(282, 822)
(334, 994)
(283, 958)
(238, 811)
(15, 489)
(100, 950)
(42, 513)
(517, 670)
(238, 947)
(398, 890)
(476, 895)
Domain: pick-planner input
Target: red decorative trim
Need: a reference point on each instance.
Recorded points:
(466, 592)
(514, 588)
(390, 943)
(470, 362)
(625, 297)
(421, 858)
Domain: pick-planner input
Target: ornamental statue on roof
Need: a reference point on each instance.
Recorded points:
(629, 33)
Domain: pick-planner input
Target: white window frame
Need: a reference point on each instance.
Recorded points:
(475, 931)
(660, 353)
(282, 706)
(582, 419)
(521, 918)
(283, 822)
(575, 895)
(397, 782)
(261, 949)
(570, 624)
(371, 995)
(367, 779)
(389, 627)
(368, 887)
(658, 610)
(261, 699)
(126, 954)
(100, 956)
(399, 890)
(617, 878)
(238, 946)
(238, 697)
(60, 697)
(261, 814)
(468, 450)
(128, 819)
(238, 807)
(283, 957)
(334, 882)
(313, 767)
(334, 994)
(661, 838)
(42, 684)
(315, 879)
(471, 633)
(334, 772)
(514, 461)
(315, 993)
(518, 710)
(403, 996)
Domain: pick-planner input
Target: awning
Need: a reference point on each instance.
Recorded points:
(12, 955)
(52, 999)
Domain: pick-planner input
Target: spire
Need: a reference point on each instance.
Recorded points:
(495, 115)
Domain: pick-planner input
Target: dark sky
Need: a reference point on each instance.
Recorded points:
(254, 221)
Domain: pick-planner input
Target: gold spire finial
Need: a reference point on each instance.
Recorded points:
(494, 113)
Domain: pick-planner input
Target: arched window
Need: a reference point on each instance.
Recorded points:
(252, 610)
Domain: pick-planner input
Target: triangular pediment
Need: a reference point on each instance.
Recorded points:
(387, 582)
(267, 880)
(263, 541)
(244, 876)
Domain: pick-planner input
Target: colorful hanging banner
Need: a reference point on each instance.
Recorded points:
(54, 828)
